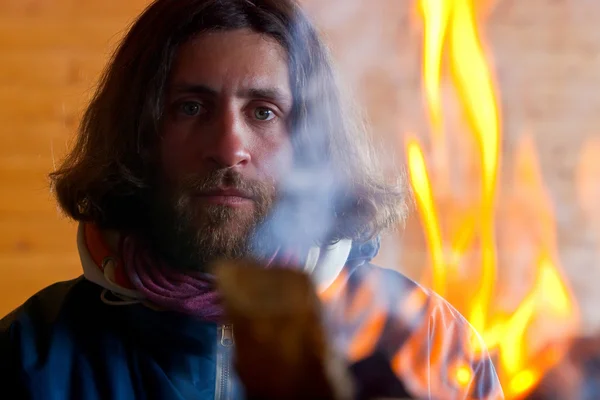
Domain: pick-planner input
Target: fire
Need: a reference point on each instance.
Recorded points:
(588, 187)
(462, 227)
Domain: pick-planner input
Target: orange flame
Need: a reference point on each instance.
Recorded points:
(468, 239)
(588, 185)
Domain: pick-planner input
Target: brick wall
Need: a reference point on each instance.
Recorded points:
(546, 58)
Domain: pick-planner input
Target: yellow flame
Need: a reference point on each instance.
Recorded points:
(522, 382)
(435, 14)
(551, 290)
(511, 343)
(452, 32)
(463, 375)
(473, 81)
(453, 22)
(424, 196)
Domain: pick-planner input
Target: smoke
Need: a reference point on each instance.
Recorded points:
(302, 215)
(313, 191)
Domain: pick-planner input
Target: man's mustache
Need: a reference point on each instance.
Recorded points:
(225, 179)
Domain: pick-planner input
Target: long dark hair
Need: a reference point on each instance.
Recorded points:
(107, 173)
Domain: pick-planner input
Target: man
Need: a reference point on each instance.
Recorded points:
(217, 132)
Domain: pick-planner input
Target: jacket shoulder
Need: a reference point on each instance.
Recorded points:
(425, 332)
(44, 306)
(23, 331)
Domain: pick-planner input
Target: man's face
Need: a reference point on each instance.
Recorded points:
(224, 146)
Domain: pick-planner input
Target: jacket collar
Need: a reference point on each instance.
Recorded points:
(100, 266)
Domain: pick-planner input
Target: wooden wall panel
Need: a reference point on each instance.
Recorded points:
(51, 54)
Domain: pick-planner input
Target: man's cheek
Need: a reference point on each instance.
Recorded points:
(175, 160)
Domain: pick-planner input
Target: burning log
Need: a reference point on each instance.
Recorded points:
(281, 350)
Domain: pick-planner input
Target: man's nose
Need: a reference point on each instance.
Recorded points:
(228, 146)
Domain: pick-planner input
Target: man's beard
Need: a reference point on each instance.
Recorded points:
(189, 234)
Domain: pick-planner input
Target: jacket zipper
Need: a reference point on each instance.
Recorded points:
(223, 378)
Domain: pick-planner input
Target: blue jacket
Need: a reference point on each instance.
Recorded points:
(66, 343)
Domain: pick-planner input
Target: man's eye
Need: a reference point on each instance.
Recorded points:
(264, 114)
(191, 108)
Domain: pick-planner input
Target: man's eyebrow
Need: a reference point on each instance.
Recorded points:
(193, 88)
(268, 93)
(275, 94)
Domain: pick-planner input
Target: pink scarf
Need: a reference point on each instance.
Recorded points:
(190, 293)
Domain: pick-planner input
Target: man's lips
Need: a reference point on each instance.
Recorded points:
(230, 197)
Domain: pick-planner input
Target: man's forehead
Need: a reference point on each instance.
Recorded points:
(241, 59)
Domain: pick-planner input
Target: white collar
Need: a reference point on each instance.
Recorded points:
(323, 264)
